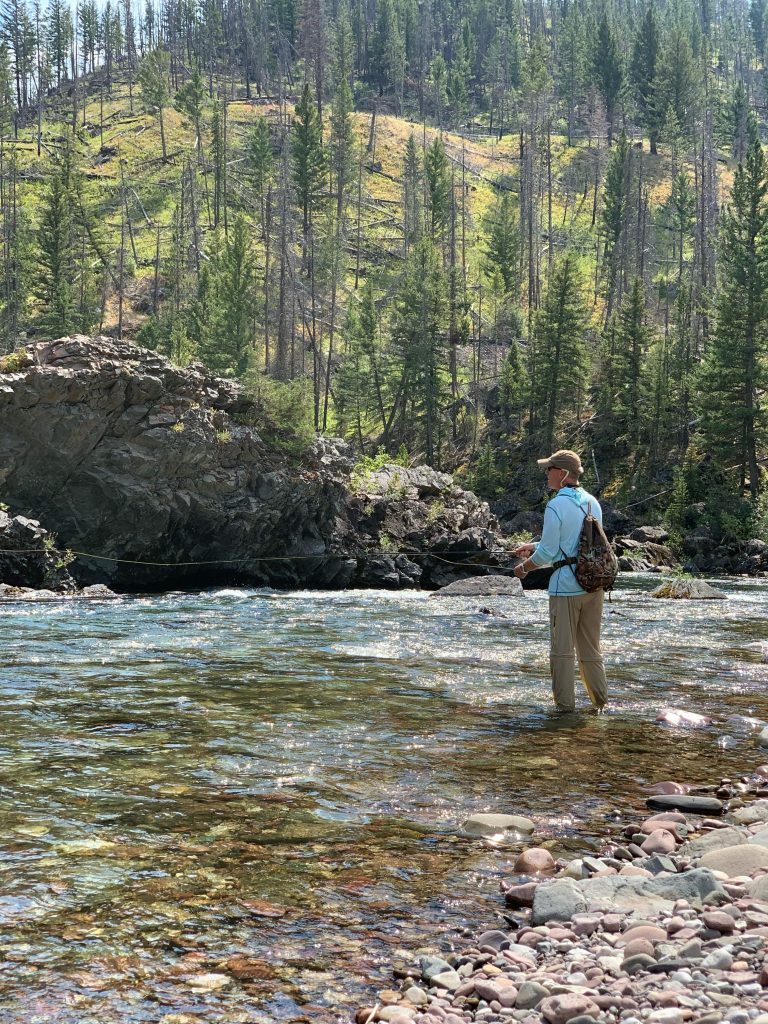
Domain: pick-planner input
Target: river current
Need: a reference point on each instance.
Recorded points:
(245, 805)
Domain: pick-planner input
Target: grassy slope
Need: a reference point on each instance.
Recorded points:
(134, 134)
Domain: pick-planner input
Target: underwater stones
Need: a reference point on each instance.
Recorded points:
(535, 861)
(486, 825)
(682, 719)
(683, 802)
(691, 590)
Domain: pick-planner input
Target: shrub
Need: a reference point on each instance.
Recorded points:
(13, 362)
(367, 465)
(281, 411)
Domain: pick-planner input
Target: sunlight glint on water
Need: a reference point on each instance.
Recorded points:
(167, 761)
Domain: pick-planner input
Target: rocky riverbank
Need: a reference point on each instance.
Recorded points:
(667, 924)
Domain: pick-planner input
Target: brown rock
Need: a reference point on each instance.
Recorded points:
(520, 895)
(719, 921)
(675, 924)
(246, 968)
(651, 825)
(638, 946)
(560, 1009)
(632, 869)
(535, 861)
(500, 989)
(643, 931)
(660, 841)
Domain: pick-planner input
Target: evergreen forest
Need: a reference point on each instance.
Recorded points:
(465, 232)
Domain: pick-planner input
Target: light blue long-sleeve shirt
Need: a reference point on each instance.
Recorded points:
(563, 520)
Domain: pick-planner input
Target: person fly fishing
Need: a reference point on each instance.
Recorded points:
(575, 615)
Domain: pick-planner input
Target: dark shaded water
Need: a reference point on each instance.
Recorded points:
(282, 777)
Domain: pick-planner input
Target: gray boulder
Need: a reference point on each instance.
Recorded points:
(691, 590)
(561, 899)
(483, 586)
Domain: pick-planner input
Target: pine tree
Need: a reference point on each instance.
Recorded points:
(560, 374)
(16, 261)
(55, 285)
(615, 201)
(735, 373)
(341, 144)
(413, 207)
(643, 72)
(737, 117)
(633, 340)
(59, 37)
(676, 82)
(503, 245)
(608, 68)
(359, 392)
(219, 161)
(260, 161)
(419, 340)
(513, 386)
(437, 174)
(155, 92)
(438, 76)
(682, 209)
(310, 168)
(190, 101)
(227, 301)
(388, 49)
(572, 62)
(758, 22)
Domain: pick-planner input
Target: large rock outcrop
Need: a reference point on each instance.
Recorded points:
(29, 556)
(144, 466)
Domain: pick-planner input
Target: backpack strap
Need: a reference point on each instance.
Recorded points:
(563, 562)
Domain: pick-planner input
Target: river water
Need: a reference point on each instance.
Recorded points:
(272, 785)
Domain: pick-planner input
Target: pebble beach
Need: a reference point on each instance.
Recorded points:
(667, 924)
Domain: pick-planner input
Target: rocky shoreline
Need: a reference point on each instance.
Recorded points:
(667, 924)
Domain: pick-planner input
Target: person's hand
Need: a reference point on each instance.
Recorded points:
(524, 550)
(520, 571)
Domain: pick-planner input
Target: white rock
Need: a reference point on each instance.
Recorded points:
(682, 719)
(496, 824)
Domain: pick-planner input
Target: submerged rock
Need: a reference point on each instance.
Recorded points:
(683, 719)
(693, 590)
(494, 824)
(483, 586)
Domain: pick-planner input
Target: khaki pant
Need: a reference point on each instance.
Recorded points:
(574, 625)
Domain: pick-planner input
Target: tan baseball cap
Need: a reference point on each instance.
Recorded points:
(563, 459)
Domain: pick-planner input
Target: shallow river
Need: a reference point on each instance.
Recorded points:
(241, 805)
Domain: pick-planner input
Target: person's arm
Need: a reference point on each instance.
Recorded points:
(546, 551)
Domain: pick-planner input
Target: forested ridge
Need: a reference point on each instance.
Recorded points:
(467, 231)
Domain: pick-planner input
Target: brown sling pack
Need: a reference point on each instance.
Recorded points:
(595, 565)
